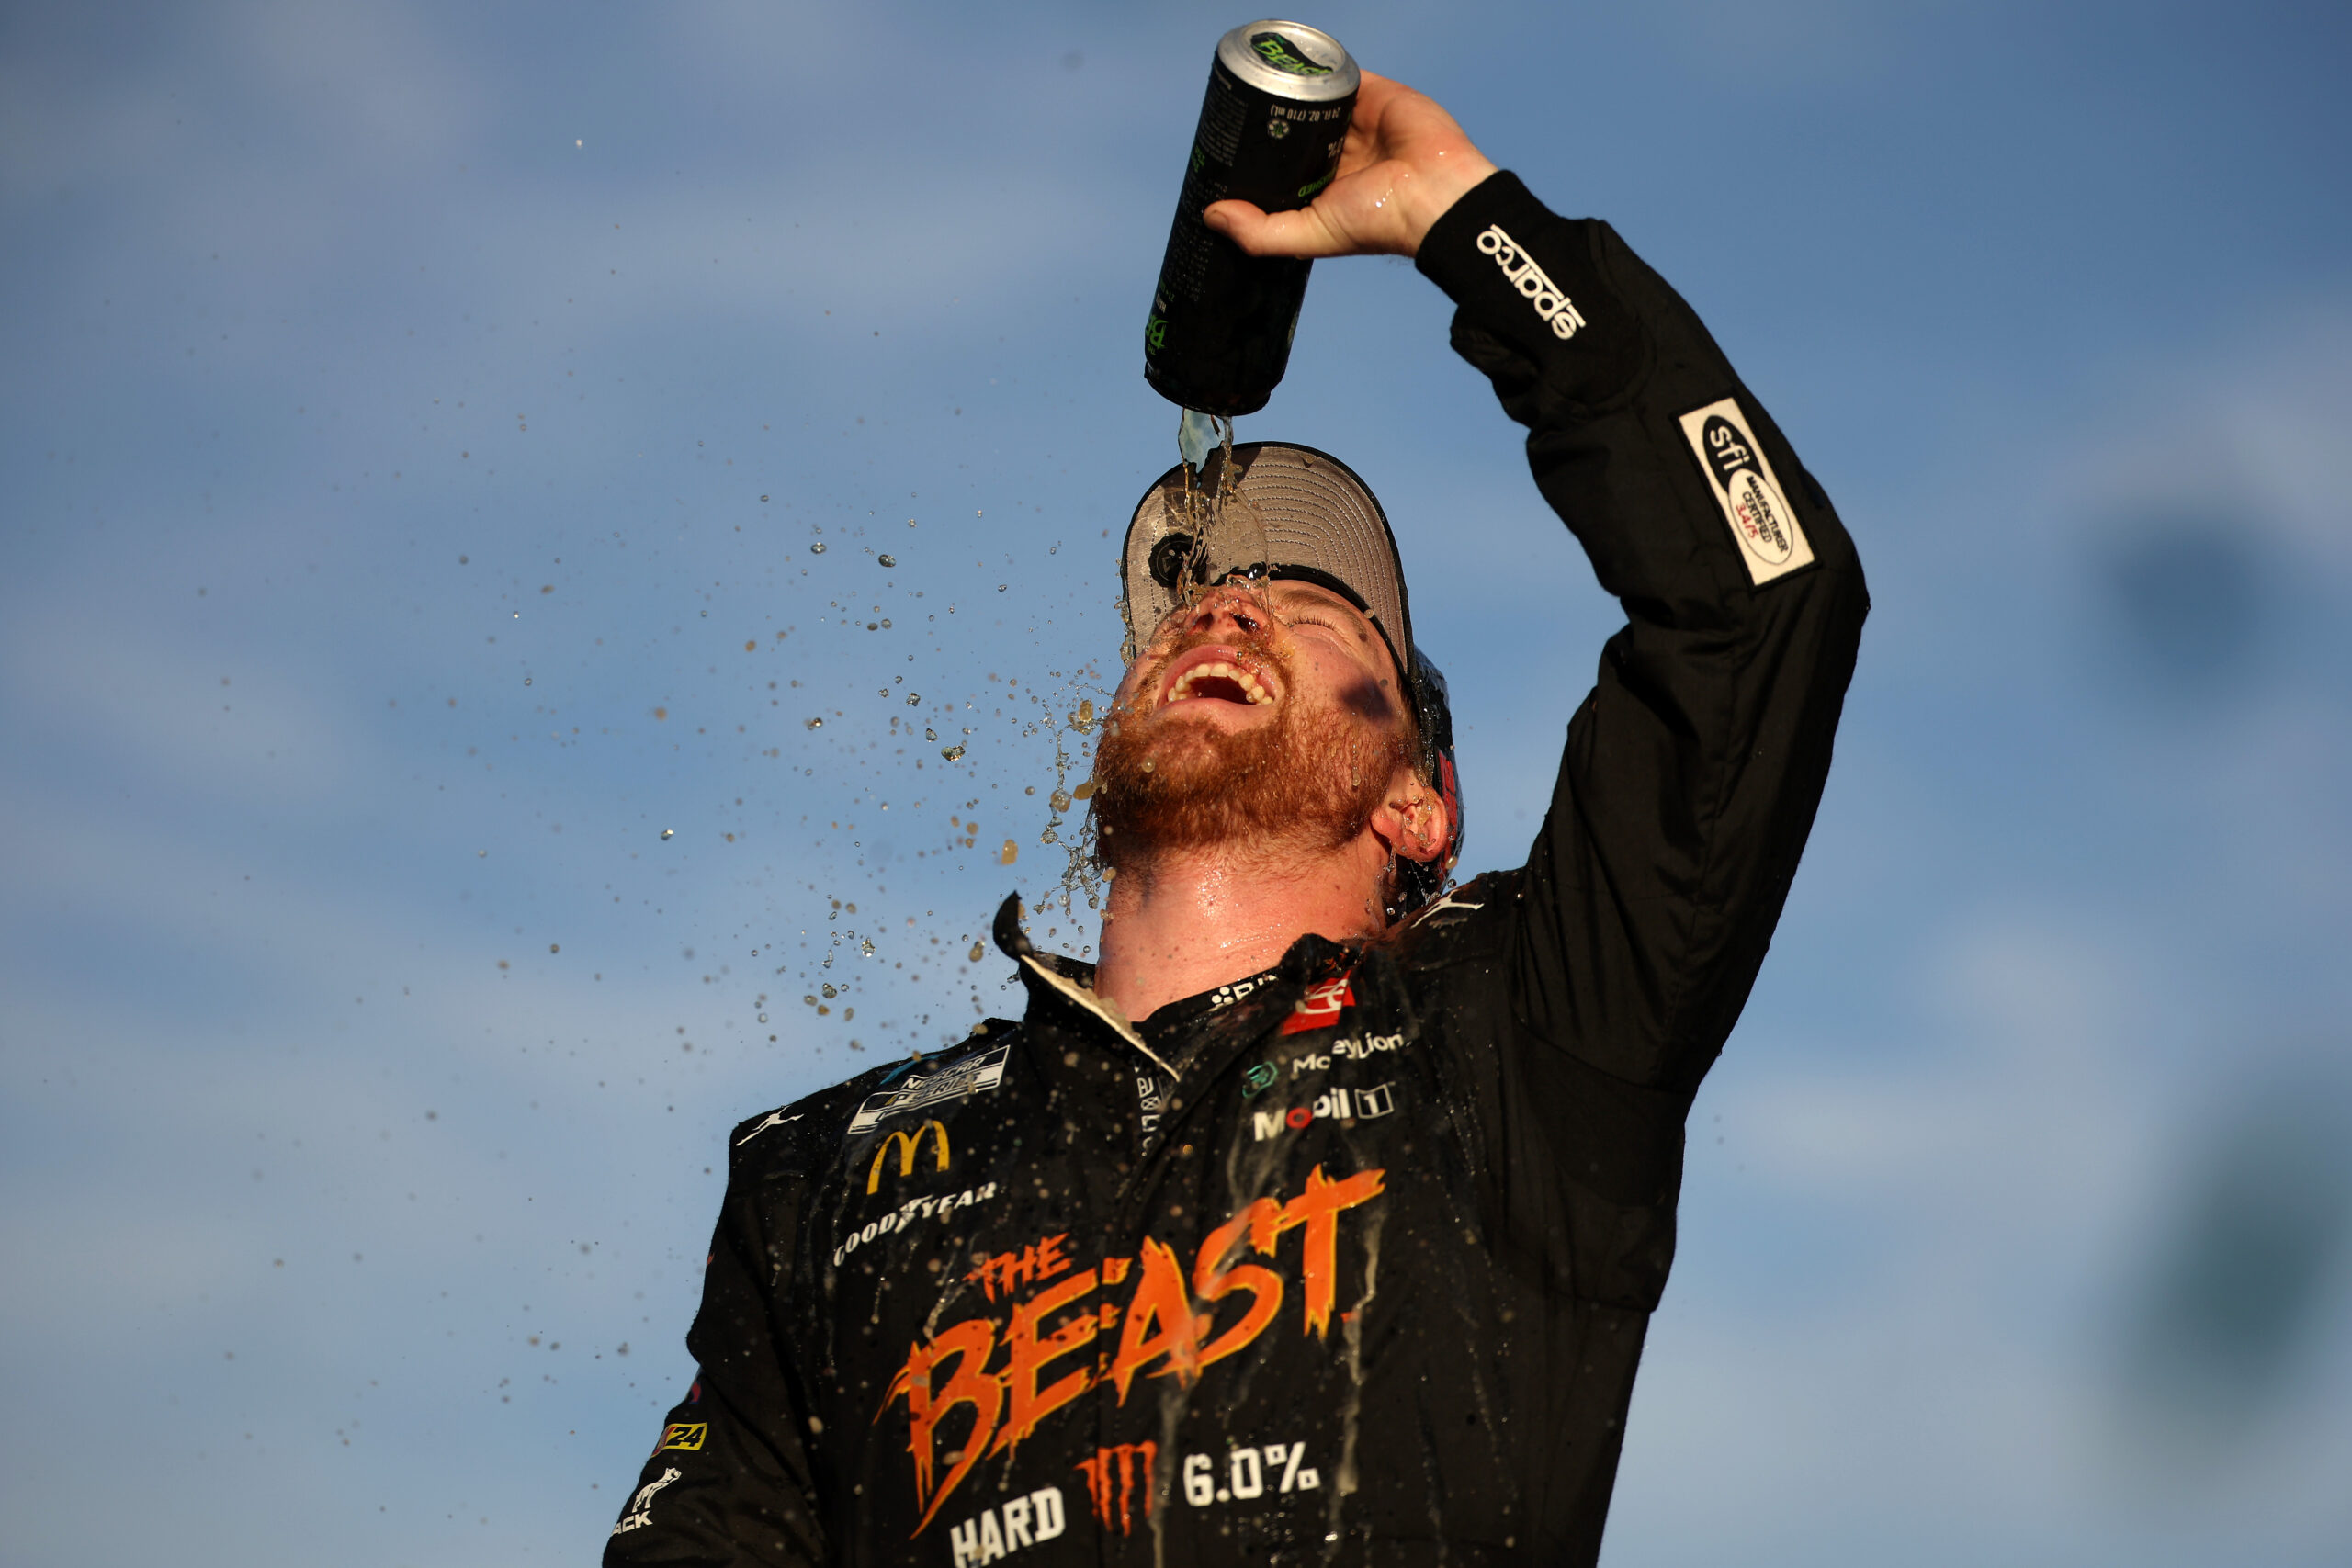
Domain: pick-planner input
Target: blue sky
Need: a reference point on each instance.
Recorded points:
(412, 412)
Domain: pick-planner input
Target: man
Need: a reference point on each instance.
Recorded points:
(1344, 1250)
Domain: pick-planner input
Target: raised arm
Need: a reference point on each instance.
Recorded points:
(1692, 772)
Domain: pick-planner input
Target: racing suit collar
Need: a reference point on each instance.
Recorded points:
(1057, 982)
(1052, 979)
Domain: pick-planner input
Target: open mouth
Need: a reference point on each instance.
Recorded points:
(1212, 679)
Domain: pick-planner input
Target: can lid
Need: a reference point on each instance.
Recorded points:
(1290, 60)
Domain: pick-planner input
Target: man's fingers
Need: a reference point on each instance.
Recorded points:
(1259, 233)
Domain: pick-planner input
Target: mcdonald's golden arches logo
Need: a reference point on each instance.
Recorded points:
(908, 1144)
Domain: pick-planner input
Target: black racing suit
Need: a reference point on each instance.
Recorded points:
(1350, 1261)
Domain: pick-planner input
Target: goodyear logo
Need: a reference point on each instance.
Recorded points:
(908, 1144)
(684, 1435)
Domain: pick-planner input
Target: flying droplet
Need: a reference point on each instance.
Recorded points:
(668, 832)
(931, 734)
(865, 948)
(889, 560)
(914, 699)
(953, 753)
(1083, 792)
(816, 724)
(829, 991)
(817, 549)
(1147, 764)
(764, 498)
(1008, 854)
(1059, 799)
(763, 1018)
(977, 953)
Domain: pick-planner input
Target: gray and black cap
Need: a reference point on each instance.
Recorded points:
(1311, 519)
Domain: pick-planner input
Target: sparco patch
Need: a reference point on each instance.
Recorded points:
(1553, 306)
(1753, 502)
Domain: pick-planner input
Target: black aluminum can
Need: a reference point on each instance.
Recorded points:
(1271, 133)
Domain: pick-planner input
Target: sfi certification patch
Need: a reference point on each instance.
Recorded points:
(1770, 541)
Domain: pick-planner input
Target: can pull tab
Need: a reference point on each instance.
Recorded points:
(1197, 435)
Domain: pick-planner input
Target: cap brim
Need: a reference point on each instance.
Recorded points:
(1293, 507)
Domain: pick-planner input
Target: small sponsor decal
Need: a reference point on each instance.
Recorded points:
(1770, 541)
(970, 1075)
(1319, 1008)
(640, 1508)
(906, 1144)
(1448, 902)
(1258, 1080)
(1347, 1048)
(1553, 307)
(774, 1119)
(1007, 1527)
(1226, 996)
(1361, 1104)
(1148, 1105)
(907, 1213)
(682, 1435)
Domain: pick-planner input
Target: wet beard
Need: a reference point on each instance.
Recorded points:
(1306, 783)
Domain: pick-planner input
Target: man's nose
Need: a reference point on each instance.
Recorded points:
(1234, 606)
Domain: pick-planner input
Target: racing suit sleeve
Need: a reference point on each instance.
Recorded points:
(730, 1485)
(1692, 770)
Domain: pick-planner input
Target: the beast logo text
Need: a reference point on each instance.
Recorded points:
(1168, 1327)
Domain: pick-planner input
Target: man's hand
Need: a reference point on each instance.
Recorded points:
(1405, 162)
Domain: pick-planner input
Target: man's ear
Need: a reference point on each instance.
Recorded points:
(1411, 819)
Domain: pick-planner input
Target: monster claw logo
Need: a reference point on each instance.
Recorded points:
(906, 1144)
(1116, 1470)
(1168, 1327)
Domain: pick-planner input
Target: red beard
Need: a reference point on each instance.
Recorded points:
(1309, 782)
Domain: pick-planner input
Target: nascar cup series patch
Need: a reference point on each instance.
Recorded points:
(1753, 502)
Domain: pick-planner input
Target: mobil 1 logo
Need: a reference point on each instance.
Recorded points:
(1770, 541)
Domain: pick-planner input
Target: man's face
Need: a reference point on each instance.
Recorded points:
(1266, 712)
